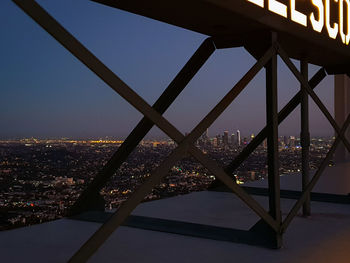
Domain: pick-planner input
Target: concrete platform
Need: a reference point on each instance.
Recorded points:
(324, 237)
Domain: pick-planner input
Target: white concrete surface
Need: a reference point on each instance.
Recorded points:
(322, 238)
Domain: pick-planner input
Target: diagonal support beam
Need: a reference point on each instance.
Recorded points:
(102, 234)
(315, 178)
(229, 97)
(85, 56)
(305, 85)
(210, 118)
(282, 115)
(94, 64)
(66, 39)
(198, 59)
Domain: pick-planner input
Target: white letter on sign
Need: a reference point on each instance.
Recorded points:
(317, 25)
(332, 31)
(296, 15)
(344, 38)
(278, 8)
(257, 2)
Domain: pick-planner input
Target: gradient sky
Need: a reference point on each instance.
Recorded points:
(46, 92)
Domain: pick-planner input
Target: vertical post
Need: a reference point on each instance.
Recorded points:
(305, 137)
(272, 142)
(341, 111)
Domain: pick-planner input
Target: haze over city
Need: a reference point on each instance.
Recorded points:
(46, 92)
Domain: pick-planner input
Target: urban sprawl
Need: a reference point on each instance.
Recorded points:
(41, 178)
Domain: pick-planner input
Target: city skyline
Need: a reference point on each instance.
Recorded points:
(46, 176)
(47, 93)
(153, 137)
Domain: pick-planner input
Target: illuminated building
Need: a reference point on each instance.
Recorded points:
(225, 138)
(233, 139)
(238, 138)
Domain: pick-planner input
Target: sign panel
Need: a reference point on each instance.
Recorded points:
(331, 15)
(316, 30)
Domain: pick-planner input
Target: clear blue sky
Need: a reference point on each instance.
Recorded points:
(46, 92)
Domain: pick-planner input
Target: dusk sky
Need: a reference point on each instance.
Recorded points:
(46, 92)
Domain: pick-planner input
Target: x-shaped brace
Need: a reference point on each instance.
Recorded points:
(316, 176)
(309, 90)
(185, 144)
(282, 115)
(340, 137)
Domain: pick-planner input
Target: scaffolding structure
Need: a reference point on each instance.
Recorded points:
(271, 227)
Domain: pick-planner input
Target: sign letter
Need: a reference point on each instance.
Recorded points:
(278, 8)
(257, 2)
(344, 38)
(297, 16)
(317, 25)
(332, 31)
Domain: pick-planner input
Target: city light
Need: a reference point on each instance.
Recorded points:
(56, 177)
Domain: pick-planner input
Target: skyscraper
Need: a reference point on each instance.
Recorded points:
(233, 141)
(215, 142)
(292, 141)
(238, 138)
(218, 138)
(225, 138)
